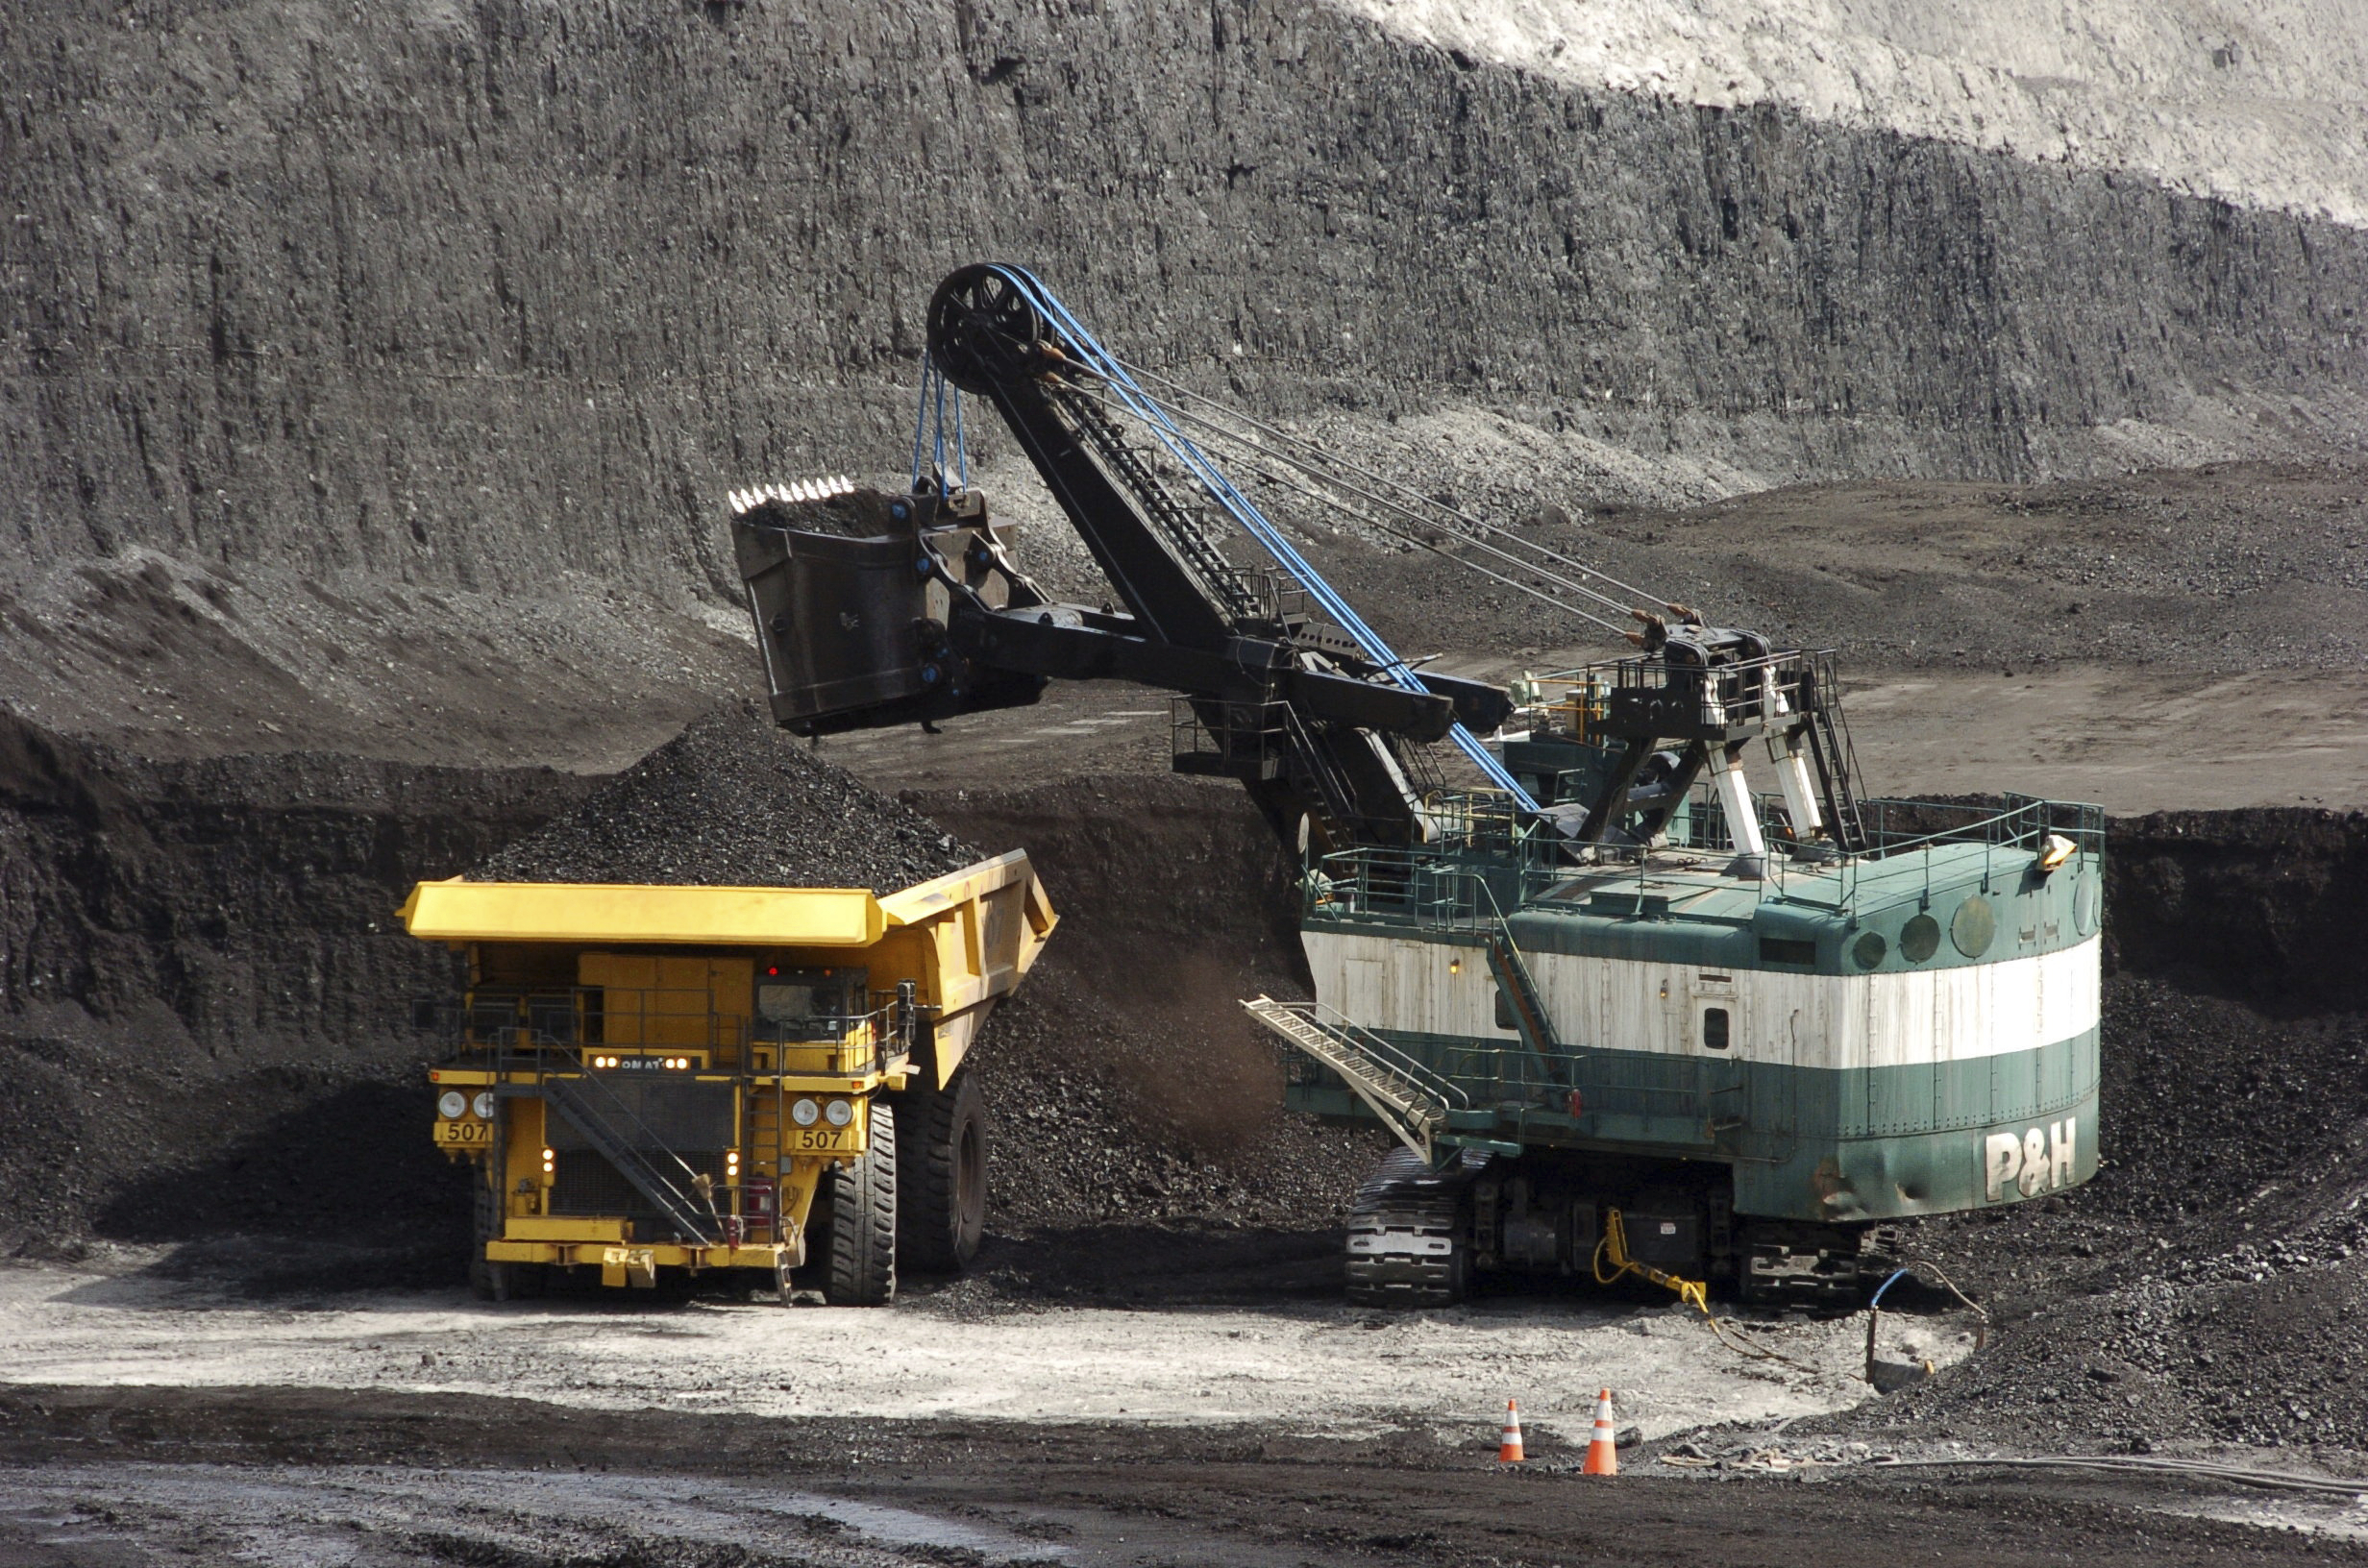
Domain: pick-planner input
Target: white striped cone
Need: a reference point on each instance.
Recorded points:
(1508, 1446)
(1602, 1453)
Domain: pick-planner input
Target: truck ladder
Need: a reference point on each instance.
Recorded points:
(683, 1209)
(1410, 1100)
(768, 1123)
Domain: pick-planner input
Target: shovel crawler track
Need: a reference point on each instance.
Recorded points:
(1409, 1236)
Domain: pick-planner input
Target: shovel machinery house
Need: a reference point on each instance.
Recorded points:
(1598, 985)
(697, 1078)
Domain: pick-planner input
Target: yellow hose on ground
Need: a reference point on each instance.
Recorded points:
(1695, 1293)
(1614, 1243)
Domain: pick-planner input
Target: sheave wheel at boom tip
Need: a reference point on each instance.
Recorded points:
(982, 331)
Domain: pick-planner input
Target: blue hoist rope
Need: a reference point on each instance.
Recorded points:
(961, 448)
(920, 414)
(941, 429)
(1238, 507)
(934, 389)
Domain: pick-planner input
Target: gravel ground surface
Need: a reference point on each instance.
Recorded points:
(1181, 1332)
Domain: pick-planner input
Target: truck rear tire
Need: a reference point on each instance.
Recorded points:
(942, 1157)
(862, 1257)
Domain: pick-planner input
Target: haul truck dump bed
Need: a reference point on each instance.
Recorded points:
(768, 1079)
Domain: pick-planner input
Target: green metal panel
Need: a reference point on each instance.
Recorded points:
(1723, 924)
(1806, 1142)
(1898, 1100)
(1933, 1172)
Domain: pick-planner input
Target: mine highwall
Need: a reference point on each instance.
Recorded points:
(466, 294)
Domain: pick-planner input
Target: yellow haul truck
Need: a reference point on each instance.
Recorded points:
(700, 1078)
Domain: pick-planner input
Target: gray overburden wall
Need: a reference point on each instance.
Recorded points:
(464, 295)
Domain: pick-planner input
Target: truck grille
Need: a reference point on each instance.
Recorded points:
(585, 1184)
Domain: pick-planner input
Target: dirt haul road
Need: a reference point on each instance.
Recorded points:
(302, 1477)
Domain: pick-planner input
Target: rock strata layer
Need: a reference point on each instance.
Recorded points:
(474, 297)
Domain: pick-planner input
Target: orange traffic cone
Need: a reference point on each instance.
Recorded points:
(1602, 1455)
(1509, 1447)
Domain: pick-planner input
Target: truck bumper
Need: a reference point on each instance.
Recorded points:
(624, 1263)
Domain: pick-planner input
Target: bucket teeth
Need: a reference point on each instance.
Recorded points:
(797, 492)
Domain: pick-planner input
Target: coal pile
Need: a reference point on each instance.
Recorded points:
(1126, 1086)
(733, 801)
(1110, 1112)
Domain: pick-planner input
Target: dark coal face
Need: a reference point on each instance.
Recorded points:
(735, 802)
(205, 993)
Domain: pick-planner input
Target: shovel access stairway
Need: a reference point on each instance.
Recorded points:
(1414, 1102)
(1520, 990)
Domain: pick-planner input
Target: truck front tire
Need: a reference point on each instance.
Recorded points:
(491, 1280)
(862, 1242)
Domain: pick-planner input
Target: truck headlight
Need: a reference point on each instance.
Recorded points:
(840, 1111)
(804, 1111)
(483, 1105)
(452, 1104)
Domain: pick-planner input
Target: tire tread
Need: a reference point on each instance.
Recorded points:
(863, 1219)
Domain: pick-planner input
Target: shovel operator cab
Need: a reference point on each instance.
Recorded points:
(764, 1079)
